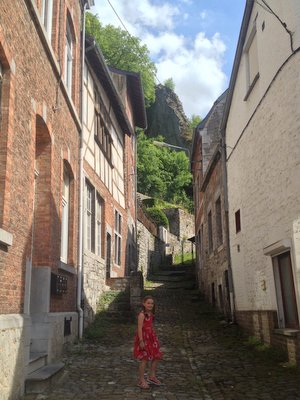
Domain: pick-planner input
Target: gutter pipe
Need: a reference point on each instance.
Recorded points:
(81, 186)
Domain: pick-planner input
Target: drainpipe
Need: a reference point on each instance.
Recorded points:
(136, 207)
(81, 187)
(230, 276)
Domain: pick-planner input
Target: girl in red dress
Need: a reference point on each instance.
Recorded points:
(146, 345)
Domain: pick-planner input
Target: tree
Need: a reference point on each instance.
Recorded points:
(163, 173)
(123, 51)
(169, 83)
(194, 121)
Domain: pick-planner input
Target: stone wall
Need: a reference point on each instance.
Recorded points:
(181, 223)
(14, 355)
(94, 285)
(149, 256)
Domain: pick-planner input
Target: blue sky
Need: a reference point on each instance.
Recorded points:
(191, 41)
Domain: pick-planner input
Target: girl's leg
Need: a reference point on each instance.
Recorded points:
(153, 367)
(142, 368)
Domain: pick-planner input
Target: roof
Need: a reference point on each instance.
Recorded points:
(203, 123)
(98, 63)
(237, 59)
(137, 95)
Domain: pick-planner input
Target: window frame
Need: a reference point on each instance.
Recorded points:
(118, 238)
(90, 216)
(251, 79)
(46, 16)
(68, 57)
(65, 217)
(210, 232)
(1, 88)
(102, 127)
(218, 218)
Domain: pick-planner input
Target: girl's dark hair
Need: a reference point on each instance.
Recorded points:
(148, 298)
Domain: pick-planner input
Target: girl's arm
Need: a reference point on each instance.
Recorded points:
(141, 318)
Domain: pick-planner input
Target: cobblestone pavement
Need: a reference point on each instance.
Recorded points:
(203, 359)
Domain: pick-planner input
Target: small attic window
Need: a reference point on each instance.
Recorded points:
(252, 65)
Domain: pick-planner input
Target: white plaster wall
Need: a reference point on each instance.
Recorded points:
(113, 178)
(273, 46)
(264, 183)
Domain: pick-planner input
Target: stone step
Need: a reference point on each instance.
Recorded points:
(36, 361)
(41, 380)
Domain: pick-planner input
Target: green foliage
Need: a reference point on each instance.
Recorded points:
(158, 216)
(194, 121)
(123, 51)
(163, 173)
(185, 258)
(169, 83)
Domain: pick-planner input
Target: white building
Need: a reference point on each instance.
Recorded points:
(262, 131)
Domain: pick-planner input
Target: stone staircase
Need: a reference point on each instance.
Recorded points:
(41, 374)
(119, 308)
(42, 379)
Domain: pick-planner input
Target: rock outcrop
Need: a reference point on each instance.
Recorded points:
(166, 117)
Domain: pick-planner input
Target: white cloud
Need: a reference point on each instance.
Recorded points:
(195, 64)
(166, 44)
(197, 74)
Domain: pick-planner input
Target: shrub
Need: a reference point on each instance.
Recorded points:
(158, 216)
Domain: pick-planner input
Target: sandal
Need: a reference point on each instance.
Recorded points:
(143, 385)
(154, 380)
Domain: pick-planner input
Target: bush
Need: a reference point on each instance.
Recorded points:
(158, 216)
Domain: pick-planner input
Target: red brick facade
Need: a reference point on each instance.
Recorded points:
(40, 133)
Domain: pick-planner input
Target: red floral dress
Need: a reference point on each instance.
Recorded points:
(151, 351)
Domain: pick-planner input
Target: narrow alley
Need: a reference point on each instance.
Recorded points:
(204, 358)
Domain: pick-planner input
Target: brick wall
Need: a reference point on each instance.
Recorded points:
(34, 96)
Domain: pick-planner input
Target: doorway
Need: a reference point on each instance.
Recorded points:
(285, 291)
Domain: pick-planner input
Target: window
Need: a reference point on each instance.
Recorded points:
(99, 212)
(118, 237)
(46, 16)
(65, 217)
(219, 222)
(1, 83)
(68, 58)
(94, 218)
(251, 55)
(210, 233)
(90, 217)
(237, 221)
(102, 127)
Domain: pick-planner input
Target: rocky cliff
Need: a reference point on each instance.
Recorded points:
(166, 117)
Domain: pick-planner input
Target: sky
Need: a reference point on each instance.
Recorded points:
(191, 41)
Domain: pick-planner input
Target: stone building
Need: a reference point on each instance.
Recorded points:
(113, 108)
(262, 124)
(211, 228)
(40, 69)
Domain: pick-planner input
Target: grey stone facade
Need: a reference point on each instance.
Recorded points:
(94, 274)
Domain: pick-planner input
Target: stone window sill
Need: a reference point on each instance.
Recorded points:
(6, 238)
(287, 332)
(67, 268)
(251, 86)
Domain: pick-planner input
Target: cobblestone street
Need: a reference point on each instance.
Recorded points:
(203, 358)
